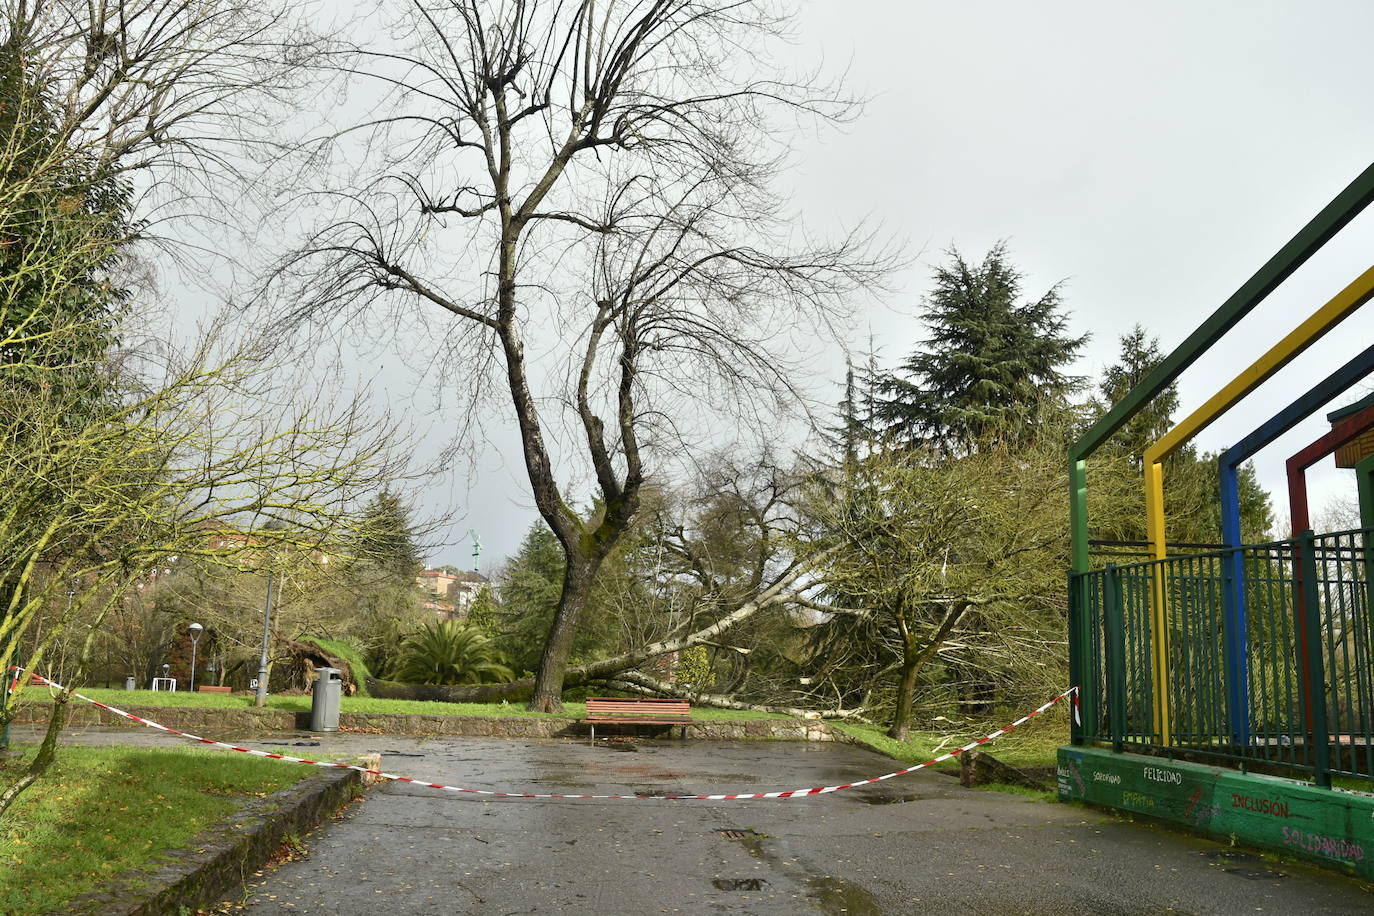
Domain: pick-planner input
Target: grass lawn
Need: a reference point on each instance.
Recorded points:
(123, 698)
(100, 811)
(1033, 744)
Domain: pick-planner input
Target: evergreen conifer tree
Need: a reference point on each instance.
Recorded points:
(64, 219)
(1139, 355)
(388, 537)
(1191, 479)
(991, 360)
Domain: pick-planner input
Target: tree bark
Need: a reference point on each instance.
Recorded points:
(906, 690)
(47, 753)
(553, 664)
(913, 662)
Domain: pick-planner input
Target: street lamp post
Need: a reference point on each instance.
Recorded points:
(195, 629)
(261, 699)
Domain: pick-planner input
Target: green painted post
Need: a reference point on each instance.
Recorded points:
(1318, 733)
(1114, 619)
(6, 680)
(1080, 625)
(1078, 515)
(1076, 653)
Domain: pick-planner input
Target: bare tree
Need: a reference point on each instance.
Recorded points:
(188, 469)
(116, 116)
(593, 179)
(180, 98)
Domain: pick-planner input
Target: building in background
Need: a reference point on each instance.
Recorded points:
(449, 591)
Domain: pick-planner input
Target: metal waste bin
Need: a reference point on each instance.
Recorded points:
(324, 704)
(129, 683)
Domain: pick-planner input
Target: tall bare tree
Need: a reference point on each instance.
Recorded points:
(585, 191)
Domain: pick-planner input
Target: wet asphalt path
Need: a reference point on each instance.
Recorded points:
(916, 844)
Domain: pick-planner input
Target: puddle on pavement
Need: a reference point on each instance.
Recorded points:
(1229, 855)
(836, 895)
(750, 840)
(1242, 864)
(887, 799)
(621, 746)
(1256, 874)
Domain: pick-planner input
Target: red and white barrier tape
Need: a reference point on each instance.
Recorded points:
(790, 793)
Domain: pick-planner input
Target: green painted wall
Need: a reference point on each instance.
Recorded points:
(1327, 826)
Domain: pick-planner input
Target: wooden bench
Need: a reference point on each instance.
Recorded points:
(207, 688)
(638, 711)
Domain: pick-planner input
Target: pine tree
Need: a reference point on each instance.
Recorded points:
(852, 435)
(64, 220)
(528, 593)
(1192, 489)
(1139, 356)
(991, 360)
(387, 540)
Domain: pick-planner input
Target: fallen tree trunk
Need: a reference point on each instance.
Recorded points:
(638, 682)
(513, 692)
(607, 668)
(978, 768)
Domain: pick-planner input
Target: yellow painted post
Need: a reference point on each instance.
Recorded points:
(1341, 306)
(1159, 611)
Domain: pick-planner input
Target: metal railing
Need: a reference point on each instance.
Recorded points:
(1259, 655)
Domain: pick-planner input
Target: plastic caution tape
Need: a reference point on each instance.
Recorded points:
(741, 796)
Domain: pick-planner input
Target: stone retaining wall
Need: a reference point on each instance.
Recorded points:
(253, 721)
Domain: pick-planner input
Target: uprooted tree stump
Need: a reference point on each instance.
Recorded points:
(306, 657)
(979, 768)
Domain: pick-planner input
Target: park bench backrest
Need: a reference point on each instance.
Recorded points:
(640, 710)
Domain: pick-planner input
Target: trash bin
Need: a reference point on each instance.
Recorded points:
(324, 704)
(129, 683)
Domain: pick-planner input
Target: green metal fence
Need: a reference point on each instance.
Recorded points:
(1269, 655)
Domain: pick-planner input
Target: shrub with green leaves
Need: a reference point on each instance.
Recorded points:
(450, 653)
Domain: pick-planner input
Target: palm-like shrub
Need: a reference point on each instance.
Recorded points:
(449, 653)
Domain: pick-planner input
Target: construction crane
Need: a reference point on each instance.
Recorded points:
(476, 550)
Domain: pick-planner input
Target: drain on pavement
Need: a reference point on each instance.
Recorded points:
(730, 833)
(740, 884)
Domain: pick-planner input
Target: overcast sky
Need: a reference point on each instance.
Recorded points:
(1150, 155)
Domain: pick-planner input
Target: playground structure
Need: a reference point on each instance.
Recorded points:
(1229, 662)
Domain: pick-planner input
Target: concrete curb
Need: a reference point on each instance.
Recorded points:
(218, 862)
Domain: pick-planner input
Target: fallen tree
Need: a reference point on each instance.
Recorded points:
(783, 591)
(639, 682)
